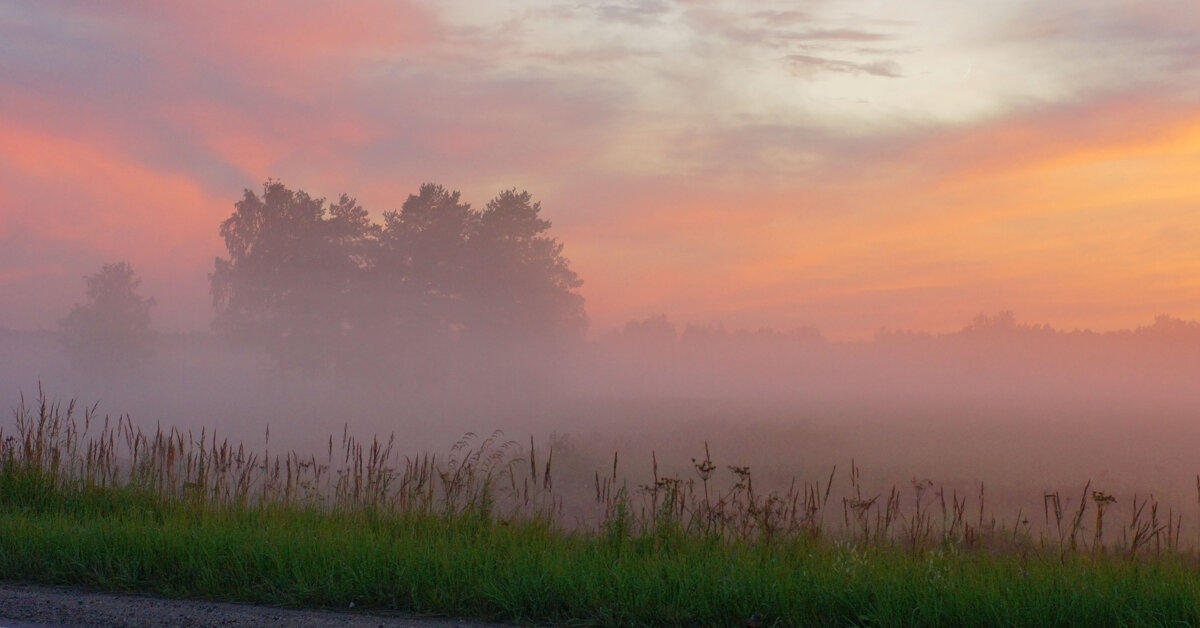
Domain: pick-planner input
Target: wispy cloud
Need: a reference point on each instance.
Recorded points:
(843, 34)
(636, 12)
(808, 65)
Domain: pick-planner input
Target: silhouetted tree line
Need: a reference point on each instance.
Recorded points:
(319, 285)
(440, 289)
(659, 330)
(1000, 329)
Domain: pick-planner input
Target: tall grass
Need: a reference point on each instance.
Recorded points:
(69, 448)
(483, 532)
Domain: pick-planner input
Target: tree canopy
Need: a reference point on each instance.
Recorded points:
(318, 284)
(286, 283)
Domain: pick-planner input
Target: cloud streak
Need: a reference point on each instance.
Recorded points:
(809, 64)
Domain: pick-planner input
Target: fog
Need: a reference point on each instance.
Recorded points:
(1023, 409)
(445, 319)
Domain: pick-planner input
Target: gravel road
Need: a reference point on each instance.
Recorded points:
(28, 606)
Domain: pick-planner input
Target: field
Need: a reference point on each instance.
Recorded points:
(504, 531)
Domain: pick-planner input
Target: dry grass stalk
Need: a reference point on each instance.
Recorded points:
(491, 477)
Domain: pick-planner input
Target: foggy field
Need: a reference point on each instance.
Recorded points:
(495, 530)
(1002, 474)
(1019, 420)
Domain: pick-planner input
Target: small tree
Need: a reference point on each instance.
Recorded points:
(113, 326)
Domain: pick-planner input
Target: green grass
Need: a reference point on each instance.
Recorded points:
(534, 572)
(449, 538)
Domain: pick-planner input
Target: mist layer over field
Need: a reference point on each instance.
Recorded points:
(1024, 410)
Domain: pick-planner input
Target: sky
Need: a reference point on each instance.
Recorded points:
(844, 165)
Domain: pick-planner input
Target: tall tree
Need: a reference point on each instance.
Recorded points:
(480, 275)
(523, 285)
(293, 260)
(113, 327)
(423, 254)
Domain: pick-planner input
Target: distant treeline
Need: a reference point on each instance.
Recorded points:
(992, 355)
(659, 329)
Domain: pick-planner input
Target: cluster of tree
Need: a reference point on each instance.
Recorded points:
(320, 286)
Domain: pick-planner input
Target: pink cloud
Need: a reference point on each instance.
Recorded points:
(145, 147)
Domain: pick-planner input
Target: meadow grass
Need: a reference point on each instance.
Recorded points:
(482, 533)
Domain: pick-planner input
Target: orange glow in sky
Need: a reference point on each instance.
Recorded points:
(847, 167)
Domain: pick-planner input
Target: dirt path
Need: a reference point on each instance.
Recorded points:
(26, 606)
